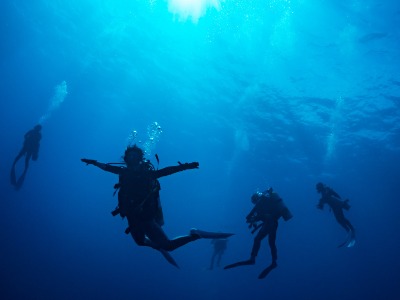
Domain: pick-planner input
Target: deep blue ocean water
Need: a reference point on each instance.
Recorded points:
(261, 93)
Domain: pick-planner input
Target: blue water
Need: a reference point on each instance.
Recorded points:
(261, 93)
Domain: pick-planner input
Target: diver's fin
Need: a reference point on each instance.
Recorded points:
(168, 257)
(20, 182)
(351, 243)
(343, 244)
(266, 271)
(240, 263)
(210, 235)
(350, 240)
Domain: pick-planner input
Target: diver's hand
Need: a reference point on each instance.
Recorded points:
(193, 165)
(89, 161)
(187, 166)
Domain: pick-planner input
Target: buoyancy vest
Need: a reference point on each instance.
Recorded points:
(138, 194)
(271, 206)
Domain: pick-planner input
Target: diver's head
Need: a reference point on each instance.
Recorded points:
(133, 155)
(38, 127)
(320, 187)
(256, 197)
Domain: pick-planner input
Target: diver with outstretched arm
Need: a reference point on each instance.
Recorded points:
(139, 201)
(269, 207)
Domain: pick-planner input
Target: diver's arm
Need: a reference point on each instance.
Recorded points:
(174, 169)
(251, 214)
(254, 214)
(103, 166)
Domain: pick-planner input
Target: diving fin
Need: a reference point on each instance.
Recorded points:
(351, 243)
(20, 181)
(266, 271)
(168, 257)
(350, 240)
(210, 235)
(343, 244)
(248, 262)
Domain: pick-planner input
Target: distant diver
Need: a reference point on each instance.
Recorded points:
(219, 247)
(139, 201)
(268, 208)
(330, 197)
(30, 150)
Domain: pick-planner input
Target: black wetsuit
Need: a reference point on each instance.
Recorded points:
(266, 210)
(31, 151)
(30, 148)
(139, 202)
(331, 198)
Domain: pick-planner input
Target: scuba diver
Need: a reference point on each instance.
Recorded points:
(219, 249)
(30, 150)
(336, 204)
(268, 208)
(139, 201)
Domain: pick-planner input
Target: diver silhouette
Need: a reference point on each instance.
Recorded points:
(30, 150)
(268, 208)
(219, 247)
(336, 204)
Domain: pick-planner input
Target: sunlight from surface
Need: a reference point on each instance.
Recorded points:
(192, 9)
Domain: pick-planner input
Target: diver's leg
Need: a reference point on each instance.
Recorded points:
(20, 154)
(139, 237)
(209, 234)
(27, 159)
(348, 224)
(18, 183)
(157, 235)
(137, 232)
(265, 229)
(350, 240)
(338, 213)
(180, 241)
(352, 232)
(274, 253)
(272, 245)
